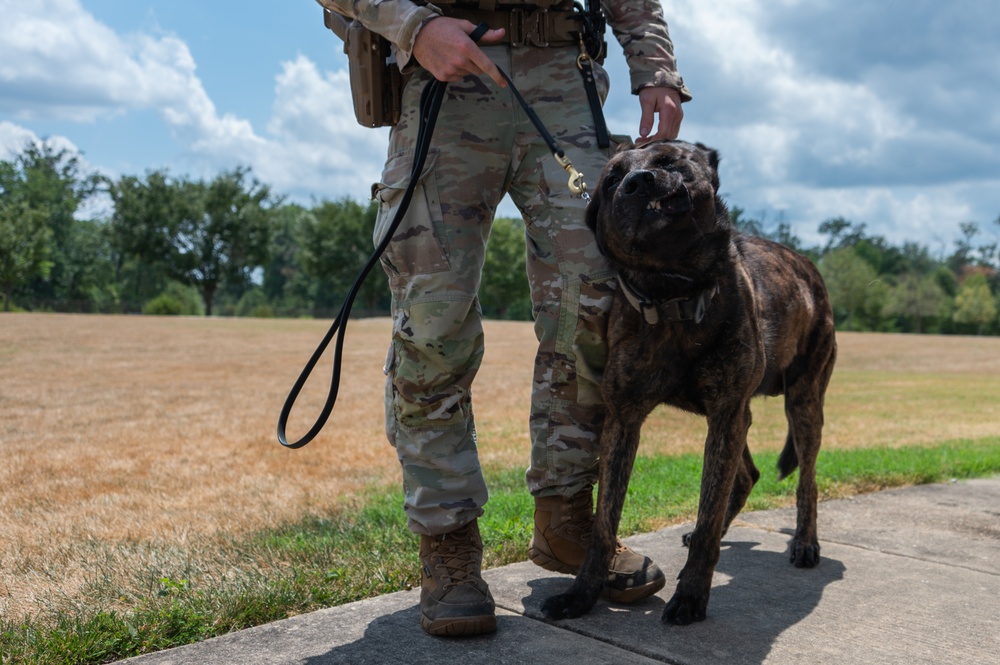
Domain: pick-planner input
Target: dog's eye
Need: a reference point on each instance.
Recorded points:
(611, 181)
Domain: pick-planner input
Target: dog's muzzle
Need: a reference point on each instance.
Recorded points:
(658, 193)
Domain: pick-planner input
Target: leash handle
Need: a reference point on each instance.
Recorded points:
(430, 105)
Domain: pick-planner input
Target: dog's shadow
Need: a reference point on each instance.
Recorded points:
(757, 595)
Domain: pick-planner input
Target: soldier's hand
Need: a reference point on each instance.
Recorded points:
(664, 102)
(443, 48)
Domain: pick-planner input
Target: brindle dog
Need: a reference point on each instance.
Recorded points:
(704, 319)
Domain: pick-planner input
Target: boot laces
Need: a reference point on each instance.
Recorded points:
(456, 555)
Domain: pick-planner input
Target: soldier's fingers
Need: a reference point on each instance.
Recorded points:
(646, 119)
(491, 36)
(483, 62)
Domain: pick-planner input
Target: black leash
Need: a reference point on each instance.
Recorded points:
(430, 105)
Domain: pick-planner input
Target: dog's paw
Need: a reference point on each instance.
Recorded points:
(804, 554)
(682, 610)
(569, 605)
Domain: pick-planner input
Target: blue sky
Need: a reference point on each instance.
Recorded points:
(885, 112)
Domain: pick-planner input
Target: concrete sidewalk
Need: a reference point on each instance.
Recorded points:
(908, 576)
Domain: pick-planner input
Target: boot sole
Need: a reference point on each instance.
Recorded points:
(625, 596)
(634, 594)
(455, 627)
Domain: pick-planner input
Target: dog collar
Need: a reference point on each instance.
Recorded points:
(689, 308)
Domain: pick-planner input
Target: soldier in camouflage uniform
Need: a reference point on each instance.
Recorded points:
(483, 147)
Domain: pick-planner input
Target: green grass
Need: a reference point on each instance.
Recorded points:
(367, 551)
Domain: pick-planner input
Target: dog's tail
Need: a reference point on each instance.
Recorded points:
(788, 461)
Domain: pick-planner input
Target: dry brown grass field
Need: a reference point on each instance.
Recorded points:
(118, 432)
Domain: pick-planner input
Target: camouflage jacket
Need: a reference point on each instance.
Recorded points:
(638, 25)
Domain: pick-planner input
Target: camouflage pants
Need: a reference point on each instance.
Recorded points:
(484, 146)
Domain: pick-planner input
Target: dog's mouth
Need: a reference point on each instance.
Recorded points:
(677, 201)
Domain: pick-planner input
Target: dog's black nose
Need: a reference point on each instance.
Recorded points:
(638, 182)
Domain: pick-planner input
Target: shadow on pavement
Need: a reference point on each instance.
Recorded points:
(757, 596)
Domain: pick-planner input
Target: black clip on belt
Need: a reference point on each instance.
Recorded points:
(430, 105)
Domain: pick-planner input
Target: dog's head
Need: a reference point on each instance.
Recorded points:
(653, 202)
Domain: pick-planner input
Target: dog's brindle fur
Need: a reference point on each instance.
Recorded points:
(768, 330)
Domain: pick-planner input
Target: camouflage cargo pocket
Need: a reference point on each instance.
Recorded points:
(418, 245)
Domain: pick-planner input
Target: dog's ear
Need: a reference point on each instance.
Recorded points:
(621, 144)
(713, 160)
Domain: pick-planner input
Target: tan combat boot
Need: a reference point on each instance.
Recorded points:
(562, 533)
(454, 598)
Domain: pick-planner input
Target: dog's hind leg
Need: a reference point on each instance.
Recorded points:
(804, 410)
(619, 443)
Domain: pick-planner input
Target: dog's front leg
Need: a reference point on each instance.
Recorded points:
(619, 442)
(727, 430)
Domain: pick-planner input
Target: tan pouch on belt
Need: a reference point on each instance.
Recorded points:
(376, 83)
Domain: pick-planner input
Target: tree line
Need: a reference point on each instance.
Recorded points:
(230, 246)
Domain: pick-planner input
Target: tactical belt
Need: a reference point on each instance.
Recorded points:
(542, 28)
(525, 27)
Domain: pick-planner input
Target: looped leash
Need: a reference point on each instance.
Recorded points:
(430, 105)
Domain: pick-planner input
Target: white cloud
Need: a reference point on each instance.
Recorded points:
(900, 214)
(820, 112)
(64, 64)
(14, 138)
(317, 144)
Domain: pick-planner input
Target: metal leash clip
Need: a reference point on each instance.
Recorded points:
(576, 183)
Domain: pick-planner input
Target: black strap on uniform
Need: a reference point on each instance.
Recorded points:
(586, 66)
(430, 105)
(592, 48)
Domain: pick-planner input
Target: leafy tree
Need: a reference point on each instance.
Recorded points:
(916, 298)
(974, 304)
(147, 216)
(176, 299)
(504, 271)
(915, 258)
(285, 283)
(964, 247)
(89, 276)
(202, 234)
(854, 288)
(835, 228)
(335, 242)
(55, 186)
(227, 236)
(25, 238)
